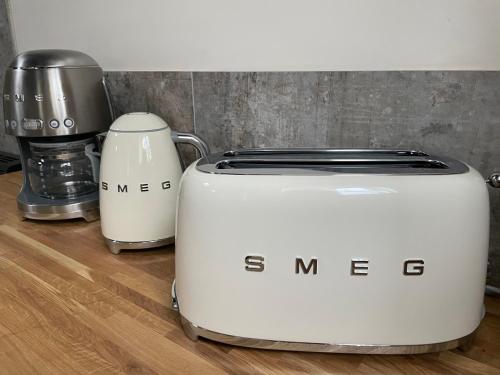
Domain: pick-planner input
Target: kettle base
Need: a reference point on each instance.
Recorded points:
(117, 246)
(193, 332)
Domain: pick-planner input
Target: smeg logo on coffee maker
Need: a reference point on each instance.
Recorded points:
(143, 188)
(357, 266)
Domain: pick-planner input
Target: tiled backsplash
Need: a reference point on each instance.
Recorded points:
(451, 113)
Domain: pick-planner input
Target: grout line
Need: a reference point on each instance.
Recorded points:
(194, 110)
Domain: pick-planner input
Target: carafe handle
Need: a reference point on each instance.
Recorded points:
(94, 157)
(193, 140)
(100, 138)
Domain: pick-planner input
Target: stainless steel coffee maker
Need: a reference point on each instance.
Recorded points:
(55, 103)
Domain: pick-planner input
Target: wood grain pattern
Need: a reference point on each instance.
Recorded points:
(68, 306)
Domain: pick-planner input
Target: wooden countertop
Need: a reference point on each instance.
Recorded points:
(67, 305)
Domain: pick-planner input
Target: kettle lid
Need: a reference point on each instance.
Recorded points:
(138, 122)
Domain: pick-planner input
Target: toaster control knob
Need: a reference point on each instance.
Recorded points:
(68, 122)
(13, 124)
(494, 180)
(54, 124)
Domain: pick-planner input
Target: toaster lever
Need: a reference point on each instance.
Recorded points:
(494, 180)
(175, 304)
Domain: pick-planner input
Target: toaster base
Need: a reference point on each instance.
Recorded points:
(117, 246)
(194, 332)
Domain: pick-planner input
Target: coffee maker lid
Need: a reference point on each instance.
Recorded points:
(52, 58)
(138, 122)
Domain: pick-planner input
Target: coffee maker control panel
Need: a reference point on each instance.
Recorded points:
(31, 113)
(32, 124)
(32, 127)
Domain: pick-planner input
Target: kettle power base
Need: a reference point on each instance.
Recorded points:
(117, 246)
(194, 332)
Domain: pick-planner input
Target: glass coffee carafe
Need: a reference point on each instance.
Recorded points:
(63, 170)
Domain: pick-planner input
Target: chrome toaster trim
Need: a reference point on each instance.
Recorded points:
(194, 332)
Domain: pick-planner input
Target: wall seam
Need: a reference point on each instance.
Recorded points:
(194, 109)
(10, 21)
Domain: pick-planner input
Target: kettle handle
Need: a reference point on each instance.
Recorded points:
(194, 140)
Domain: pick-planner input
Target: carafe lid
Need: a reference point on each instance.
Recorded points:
(138, 122)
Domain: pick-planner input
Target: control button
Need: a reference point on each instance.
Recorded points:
(69, 122)
(54, 124)
(13, 124)
(32, 124)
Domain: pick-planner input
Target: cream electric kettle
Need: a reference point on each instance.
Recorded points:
(139, 178)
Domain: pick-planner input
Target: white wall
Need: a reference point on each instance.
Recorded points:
(249, 35)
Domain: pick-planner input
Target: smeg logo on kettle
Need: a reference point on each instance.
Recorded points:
(143, 188)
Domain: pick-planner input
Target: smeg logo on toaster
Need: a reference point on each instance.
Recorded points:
(143, 188)
(357, 266)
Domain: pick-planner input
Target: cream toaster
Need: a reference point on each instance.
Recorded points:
(349, 251)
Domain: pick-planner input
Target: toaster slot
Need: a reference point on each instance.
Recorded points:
(331, 164)
(323, 151)
(320, 161)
